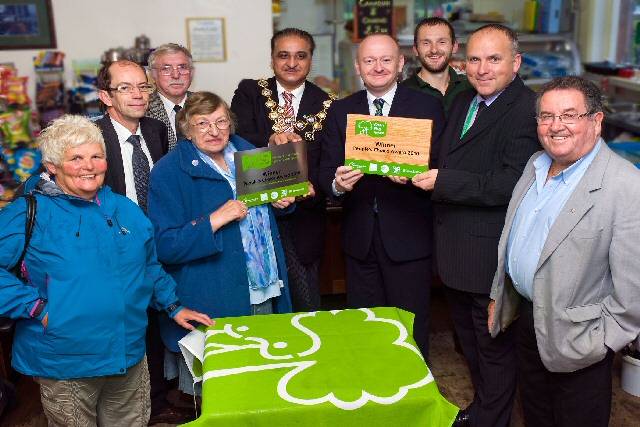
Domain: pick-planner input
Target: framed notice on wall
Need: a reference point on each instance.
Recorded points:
(206, 39)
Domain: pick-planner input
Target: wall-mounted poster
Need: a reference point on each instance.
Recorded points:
(26, 24)
(206, 39)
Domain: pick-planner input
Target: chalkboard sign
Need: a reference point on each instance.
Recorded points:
(372, 16)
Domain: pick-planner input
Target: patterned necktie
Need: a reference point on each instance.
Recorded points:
(140, 171)
(288, 111)
(378, 103)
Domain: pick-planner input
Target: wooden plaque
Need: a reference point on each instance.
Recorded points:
(388, 145)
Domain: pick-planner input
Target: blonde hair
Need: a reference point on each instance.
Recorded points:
(66, 132)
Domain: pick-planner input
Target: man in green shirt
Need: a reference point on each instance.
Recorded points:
(434, 43)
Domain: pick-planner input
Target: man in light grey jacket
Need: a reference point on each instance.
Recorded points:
(568, 274)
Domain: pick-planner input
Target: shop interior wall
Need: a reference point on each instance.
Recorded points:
(85, 29)
(598, 24)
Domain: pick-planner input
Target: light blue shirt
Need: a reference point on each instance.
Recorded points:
(535, 216)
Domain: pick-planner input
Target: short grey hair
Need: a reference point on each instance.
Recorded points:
(169, 48)
(592, 95)
(67, 132)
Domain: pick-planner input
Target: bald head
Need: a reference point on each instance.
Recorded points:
(378, 40)
(379, 63)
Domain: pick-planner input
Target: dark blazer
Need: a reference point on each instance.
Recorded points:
(476, 176)
(154, 133)
(404, 211)
(254, 125)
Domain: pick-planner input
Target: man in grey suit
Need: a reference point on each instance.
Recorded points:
(172, 70)
(568, 267)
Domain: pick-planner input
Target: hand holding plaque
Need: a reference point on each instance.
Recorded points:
(389, 146)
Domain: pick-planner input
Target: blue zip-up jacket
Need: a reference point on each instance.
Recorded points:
(95, 263)
(209, 268)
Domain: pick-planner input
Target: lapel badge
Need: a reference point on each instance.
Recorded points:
(195, 162)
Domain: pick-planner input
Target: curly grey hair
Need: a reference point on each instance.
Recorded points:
(66, 132)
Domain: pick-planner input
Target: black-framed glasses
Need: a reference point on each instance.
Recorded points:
(566, 118)
(204, 125)
(127, 88)
(167, 70)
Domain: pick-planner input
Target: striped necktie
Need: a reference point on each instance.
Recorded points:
(288, 111)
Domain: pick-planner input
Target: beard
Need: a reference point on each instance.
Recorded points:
(439, 69)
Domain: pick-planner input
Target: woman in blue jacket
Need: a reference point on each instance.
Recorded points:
(226, 259)
(90, 273)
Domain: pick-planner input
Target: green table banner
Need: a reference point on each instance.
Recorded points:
(338, 368)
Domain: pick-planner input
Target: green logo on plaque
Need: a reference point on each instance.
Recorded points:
(371, 128)
(256, 161)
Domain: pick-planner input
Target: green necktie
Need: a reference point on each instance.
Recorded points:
(472, 115)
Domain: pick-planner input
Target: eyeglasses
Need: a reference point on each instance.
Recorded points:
(127, 88)
(167, 70)
(204, 125)
(566, 118)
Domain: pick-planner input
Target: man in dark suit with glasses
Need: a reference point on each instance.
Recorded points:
(134, 144)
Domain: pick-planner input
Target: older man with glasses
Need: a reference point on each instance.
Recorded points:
(567, 275)
(134, 143)
(172, 70)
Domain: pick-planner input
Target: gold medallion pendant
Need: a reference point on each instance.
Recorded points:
(281, 123)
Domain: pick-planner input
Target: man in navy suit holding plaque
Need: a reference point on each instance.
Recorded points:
(387, 222)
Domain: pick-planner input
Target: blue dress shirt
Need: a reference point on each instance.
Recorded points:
(535, 216)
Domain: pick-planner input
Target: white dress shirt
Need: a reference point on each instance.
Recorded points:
(297, 96)
(126, 150)
(388, 100)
